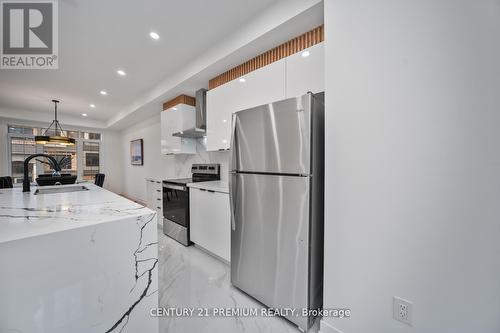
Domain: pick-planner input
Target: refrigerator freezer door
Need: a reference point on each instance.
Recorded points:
(273, 138)
(270, 239)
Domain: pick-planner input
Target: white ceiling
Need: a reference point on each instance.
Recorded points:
(97, 37)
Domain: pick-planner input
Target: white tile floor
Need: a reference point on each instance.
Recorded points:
(189, 277)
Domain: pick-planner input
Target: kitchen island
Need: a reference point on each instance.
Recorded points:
(82, 261)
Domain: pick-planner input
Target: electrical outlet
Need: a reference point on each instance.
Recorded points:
(402, 310)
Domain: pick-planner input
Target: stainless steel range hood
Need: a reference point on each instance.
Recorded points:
(201, 112)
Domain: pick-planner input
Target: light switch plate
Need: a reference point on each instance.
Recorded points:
(402, 310)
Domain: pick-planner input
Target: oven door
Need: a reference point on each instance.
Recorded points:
(176, 203)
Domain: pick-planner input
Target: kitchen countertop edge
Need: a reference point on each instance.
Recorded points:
(214, 185)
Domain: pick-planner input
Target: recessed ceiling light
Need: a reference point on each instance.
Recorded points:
(121, 72)
(175, 109)
(242, 79)
(84, 114)
(103, 92)
(305, 54)
(92, 105)
(154, 35)
(224, 120)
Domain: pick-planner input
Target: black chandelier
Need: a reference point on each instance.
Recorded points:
(58, 137)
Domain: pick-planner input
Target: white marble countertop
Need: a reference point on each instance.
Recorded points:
(24, 215)
(214, 185)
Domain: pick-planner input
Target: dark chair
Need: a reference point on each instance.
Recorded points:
(6, 182)
(99, 179)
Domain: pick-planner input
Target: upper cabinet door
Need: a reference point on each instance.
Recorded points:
(262, 86)
(265, 85)
(186, 116)
(167, 128)
(305, 71)
(220, 101)
(174, 120)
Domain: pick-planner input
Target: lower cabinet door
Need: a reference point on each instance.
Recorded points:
(210, 221)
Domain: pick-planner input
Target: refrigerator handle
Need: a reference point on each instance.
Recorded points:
(232, 164)
(232, 147)
(231, 200)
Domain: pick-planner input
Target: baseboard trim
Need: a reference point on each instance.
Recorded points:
(326, 327)
(201, 248)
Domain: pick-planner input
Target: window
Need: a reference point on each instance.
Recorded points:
(21, 148)
(82, 160)
(90, 159)
(22, 130)
(91, 136)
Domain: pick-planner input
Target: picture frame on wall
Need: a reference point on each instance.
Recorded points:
(136, 152)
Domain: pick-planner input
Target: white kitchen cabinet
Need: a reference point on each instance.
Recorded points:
(262, 86)
(265, 85)
(174, 120)
(289, 77)
(154, 197)
(210, 223)
(219, 105)
(306, 73)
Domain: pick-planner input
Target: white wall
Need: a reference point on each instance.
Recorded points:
(157, 165)
(413, 164)
(111, 158)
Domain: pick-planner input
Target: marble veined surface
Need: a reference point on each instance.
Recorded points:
(80, 262)
(24, 215)
(190, 278)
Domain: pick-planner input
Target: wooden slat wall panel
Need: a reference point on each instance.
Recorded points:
(294, 45)
(181, 99)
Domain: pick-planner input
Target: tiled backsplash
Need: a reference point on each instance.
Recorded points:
(183, 162)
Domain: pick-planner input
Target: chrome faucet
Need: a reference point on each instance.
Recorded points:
(26, 181)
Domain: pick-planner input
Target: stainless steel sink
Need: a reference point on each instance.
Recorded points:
(61, 189)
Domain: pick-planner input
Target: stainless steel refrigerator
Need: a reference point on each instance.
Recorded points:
(276, 192)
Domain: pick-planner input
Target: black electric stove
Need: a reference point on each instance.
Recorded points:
(176, 201)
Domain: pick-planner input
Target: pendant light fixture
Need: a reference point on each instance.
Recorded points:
(58, 137)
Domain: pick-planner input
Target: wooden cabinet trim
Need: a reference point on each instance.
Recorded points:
(181, 99)
(284, 50)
